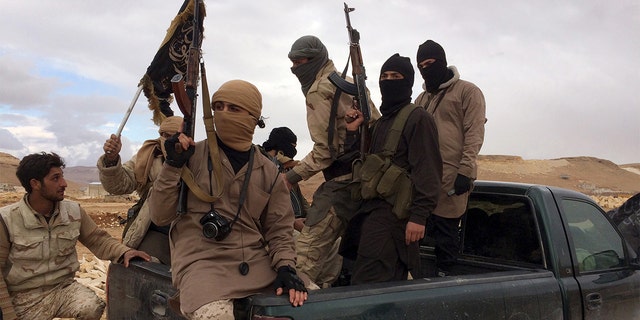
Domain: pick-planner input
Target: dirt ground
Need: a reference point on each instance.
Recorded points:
(107, 216)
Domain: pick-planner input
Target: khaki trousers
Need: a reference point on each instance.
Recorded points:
(69, 299)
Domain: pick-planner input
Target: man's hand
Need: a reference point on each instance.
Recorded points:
(462, 184)
(354, 119)
(112, 147)
(288, 280)
(414, 232)
(131, 254)
(179, 149)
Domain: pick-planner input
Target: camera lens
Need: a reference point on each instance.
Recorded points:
(210, 230)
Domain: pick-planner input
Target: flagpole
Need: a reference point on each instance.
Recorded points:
(128, 113)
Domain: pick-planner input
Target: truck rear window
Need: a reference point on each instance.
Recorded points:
(501, 227)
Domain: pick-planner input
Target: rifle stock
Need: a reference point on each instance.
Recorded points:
(180, 94)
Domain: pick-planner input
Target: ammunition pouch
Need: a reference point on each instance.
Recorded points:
(396, 188)
(371, 172)
(380, 178)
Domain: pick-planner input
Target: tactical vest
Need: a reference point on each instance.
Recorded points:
(379, 177)
(41, 254)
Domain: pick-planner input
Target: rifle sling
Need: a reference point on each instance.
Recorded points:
(214, 153)
(187, 177)
(333, 113)
(332, 123)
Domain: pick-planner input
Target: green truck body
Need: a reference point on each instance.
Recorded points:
(529, 252)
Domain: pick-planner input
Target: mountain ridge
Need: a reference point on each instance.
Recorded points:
(589, 175)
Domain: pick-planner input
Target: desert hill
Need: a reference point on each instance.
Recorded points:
(8, 165)
(77, 179)
(588, 175)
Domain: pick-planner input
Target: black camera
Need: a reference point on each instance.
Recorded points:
(215, 226)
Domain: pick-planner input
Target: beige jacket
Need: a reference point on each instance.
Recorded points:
(35, 254)
(460, 118)
(120, 179)
(319, 99)
(205, 270)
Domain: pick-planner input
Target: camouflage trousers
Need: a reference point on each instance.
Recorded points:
(317, 250)
(216, 310)
(69, 299)
(319, 241)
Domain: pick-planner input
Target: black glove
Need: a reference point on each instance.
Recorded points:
(462, 184)
(177, 158)
(287, 279)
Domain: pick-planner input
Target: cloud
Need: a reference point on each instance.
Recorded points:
(8, 141)
(21, 87)
(559, 79)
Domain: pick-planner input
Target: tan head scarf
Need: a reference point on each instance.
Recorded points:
(242, 94)
(236, 130)
(170, 125)
(146, 153)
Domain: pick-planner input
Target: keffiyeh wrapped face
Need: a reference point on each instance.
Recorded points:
(236, 129)
(170, 125)
(311, 48)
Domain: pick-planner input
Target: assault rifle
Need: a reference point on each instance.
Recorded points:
(185, 92)
(359, 89)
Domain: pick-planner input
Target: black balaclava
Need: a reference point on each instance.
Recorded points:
(282, 139)
(396, 93)
(437, 73)
(312, 48)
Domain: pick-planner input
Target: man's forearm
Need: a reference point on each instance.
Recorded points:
(163, 199)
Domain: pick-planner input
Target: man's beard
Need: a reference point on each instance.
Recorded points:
(54, 196)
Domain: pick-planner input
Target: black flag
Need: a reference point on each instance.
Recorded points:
(171, 59)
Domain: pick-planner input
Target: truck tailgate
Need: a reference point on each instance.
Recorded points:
(140, 291)
(505, 295)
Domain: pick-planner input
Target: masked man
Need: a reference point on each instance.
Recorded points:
(242, 243)
(458, 108)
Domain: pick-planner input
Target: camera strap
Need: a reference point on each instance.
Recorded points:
(245, 183)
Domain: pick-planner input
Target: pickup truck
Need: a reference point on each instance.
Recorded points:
(528, 252)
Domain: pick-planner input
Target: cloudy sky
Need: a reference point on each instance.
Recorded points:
(560, 78)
